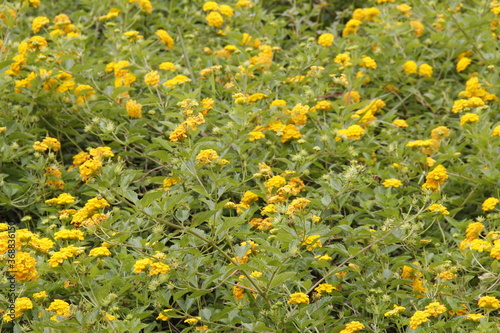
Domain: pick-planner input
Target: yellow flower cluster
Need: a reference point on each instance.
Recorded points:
(100, 251)
(112, 13)
(152, 79)
(352, 327)
(324, 288)
(392, 182)
(469, 118)
(207, 156)
(410, 67)
(395, 311)
(89, 163)
(26, 238)
(365, 14)
(69, 234)
(435, 178)
(353, 132)
(60, 307)
(489, 204)
(214, 17)
(367, 114)
(87, 215)
(297, 205)
(473, 88)
(179, 79)
(412, 274)
(155, 267)
(298, 298)
(326, 39)
(21, 305)
(47, 143)
(368, 62)
(134, 109)
(438, 208)
(62, 199)
(145, 5)
(462, 64)
(312, 242)
(123, 77)
(165, 38)
(489, 303)
(351, 27)
(64, 253)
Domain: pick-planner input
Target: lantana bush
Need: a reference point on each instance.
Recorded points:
(249, 166)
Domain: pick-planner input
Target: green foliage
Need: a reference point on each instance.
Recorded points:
(169, 172)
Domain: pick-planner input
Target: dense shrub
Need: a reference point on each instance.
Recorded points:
(282, 166)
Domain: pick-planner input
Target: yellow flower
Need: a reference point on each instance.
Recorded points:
(440, 132)
(475, 316)
(297, 205)
(152, 79)
(214, 19)
(210, 5)
(401, 123)
(496, 131)
(62, 199)
(434, 309)
(255, 97)
(207, 156)
(405, 9)
(276, 181)
(40, 295)
(489, 204)
(418, 28)
(69, 234)
(167, 66)
(179, 79)
(425, 70)
(368, 62)
(352, 327)
(99, 252)
(83, 92)
(312, 242)
(353, 132)
(418, 319)
(463, 64)
(435, 178)
(192, 321)
(394, 312)
(489, 303)
(47, 143)
(37, 43)
(343, 59)
(145, 5)
(351, 27)
(165, 38)
(226, 10)
(326, 39)
(469, 118)
(60, 307)
(410, 67)
(113, 12)
(162, 315)
(324, 288)
(324, 257)
(392, 182)
(38, 23)
(25, 267)
(134, 109)
(437, 208)
(298, 298)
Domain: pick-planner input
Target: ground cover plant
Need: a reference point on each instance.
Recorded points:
(249, 166)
